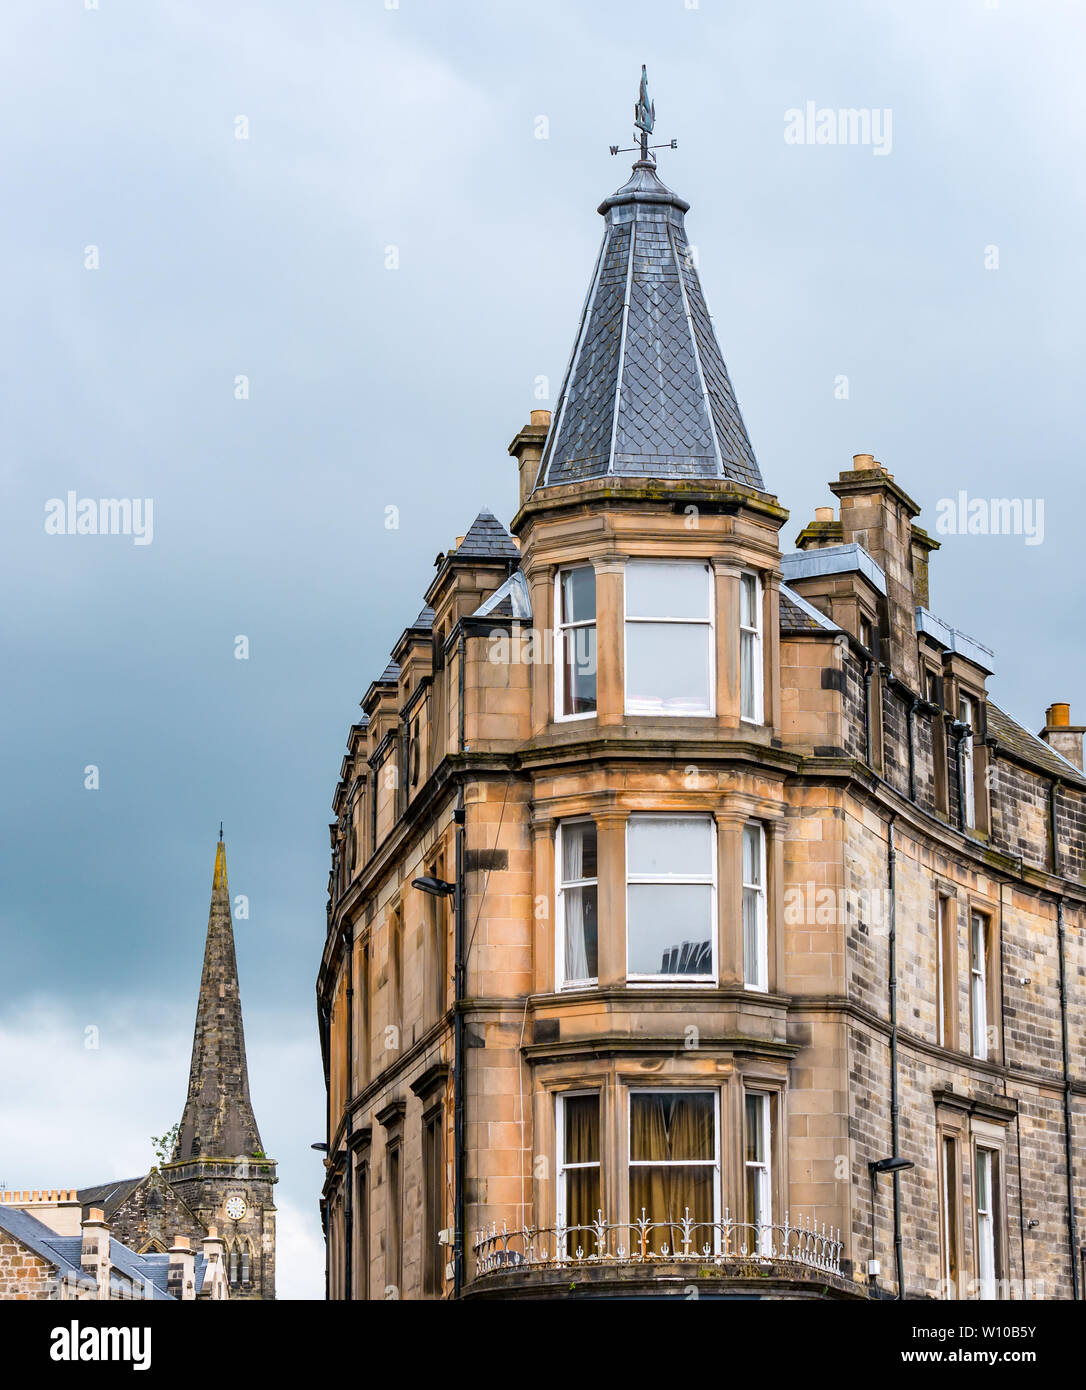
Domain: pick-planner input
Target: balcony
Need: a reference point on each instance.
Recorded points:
(724, 1256)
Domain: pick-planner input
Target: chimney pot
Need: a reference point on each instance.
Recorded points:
(863, 461)
(541, 417)
(823, 514)
(1059, 733)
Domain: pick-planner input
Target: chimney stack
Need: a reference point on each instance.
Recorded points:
(1063, 736)
(878, 515)
(94, 1256)
(215, 1271)
(181, 1279)
(527, 449)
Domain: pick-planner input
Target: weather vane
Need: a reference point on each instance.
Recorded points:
(645, 122)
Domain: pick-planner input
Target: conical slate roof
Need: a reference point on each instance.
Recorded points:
(647, 393)
(487, 539)
(218, 1121)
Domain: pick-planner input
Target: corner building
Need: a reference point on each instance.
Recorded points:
(677, 881)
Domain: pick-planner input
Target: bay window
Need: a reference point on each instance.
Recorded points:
(577, 898)
(577, 1121)
(750, 648)
(671, 898)
(755, 927)
(575, 693)
(759, 1189)
(674, 1165)
(669, 638)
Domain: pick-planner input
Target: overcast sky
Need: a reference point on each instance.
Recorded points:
(415, 126)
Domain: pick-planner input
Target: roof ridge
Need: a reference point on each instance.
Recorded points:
(1047, 748)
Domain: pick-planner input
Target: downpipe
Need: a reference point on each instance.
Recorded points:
(1072, 1231)
(895, 1122)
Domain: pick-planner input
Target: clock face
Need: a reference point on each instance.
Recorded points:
(235, 1208)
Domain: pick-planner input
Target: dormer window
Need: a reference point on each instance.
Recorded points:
(967, 714)
(575, 696)
(669, 638)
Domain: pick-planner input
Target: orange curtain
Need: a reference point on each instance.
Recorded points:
(665, 1130)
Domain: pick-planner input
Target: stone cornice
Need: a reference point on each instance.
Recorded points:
(651, 1045)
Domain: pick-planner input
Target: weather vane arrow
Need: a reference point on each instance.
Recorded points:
(645, 122)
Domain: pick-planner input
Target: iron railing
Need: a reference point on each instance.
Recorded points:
(715, 1244)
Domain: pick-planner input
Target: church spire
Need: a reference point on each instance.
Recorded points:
(218, 1121)
(646, 394)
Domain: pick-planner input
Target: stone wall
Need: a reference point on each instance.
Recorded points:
(24, 1275)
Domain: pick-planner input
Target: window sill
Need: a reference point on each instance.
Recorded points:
(669, 713)
(685, 982)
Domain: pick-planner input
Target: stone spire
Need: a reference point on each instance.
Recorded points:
(218, 1121)
(646, 394)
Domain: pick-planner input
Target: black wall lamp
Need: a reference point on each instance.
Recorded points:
(888, 1165)
(436, 887)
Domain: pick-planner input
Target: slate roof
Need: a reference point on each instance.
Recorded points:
(65, 1253)
(157, 1268)
(1020, 741)
(646, 393)
(487, 539)
(797, 615)
(426, 617)
(108, 1196)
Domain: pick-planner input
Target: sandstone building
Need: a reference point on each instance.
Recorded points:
(696, 916)
(214, 1196)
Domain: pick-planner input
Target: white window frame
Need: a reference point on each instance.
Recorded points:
(560, 1164)
(764, 1166)
(986, 1198)
(560, 906)
(758, 673)
(676, 880)
(632, 1163)
(709, 622)
(560, 630)
(967, 714)
(978, 984)
(761, 983)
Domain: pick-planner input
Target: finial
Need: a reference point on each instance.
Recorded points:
(645, 121)
(220, 832)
